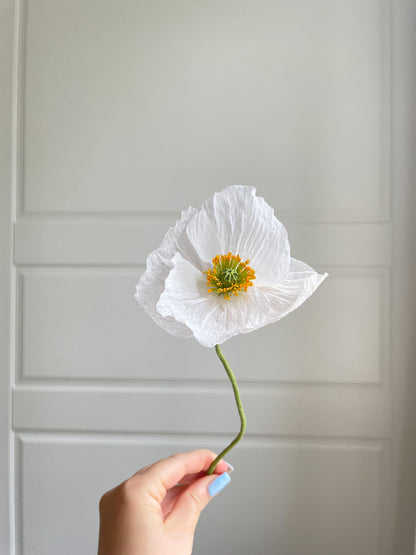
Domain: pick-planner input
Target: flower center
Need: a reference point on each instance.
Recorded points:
(229, 275)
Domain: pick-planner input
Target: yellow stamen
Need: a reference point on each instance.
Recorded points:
(229, 275)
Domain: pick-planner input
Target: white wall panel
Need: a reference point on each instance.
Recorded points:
(332, 493)
(286, 411)
(149, 106)
(84, 323)
(127, 241)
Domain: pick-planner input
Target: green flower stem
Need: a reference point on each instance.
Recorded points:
(240, 411)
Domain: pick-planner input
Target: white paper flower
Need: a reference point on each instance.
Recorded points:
(224, 270)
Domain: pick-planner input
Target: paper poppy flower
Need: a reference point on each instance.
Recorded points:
(224, 270)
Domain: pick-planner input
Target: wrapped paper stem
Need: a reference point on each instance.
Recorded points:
(240, 411)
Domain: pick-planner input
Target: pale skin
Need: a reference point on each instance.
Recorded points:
(155, 512)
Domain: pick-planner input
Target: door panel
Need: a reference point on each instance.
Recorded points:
(104, 299)
(309, 475)
(117, 97)
(125, 113)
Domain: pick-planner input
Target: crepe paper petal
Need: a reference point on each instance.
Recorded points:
(239, 222)
(300, 283)
(211, 319)
(152, 282)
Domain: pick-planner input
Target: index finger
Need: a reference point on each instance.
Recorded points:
(163, 475)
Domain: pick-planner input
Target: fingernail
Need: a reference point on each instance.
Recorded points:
(219, 483)
(230, 467)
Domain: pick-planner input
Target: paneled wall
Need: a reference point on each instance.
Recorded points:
(127, 112)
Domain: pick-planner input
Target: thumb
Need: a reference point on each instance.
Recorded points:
(195, 498)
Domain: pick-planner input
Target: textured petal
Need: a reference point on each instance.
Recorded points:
(152, 282)
(299, 284)
(211, 318)
(237, 221)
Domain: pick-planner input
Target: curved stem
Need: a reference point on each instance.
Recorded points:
(240, 411)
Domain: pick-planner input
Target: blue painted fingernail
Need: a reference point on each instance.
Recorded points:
(219, 483)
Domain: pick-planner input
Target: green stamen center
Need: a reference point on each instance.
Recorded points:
(229, 275)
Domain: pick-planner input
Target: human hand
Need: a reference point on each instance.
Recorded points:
(155, 512)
